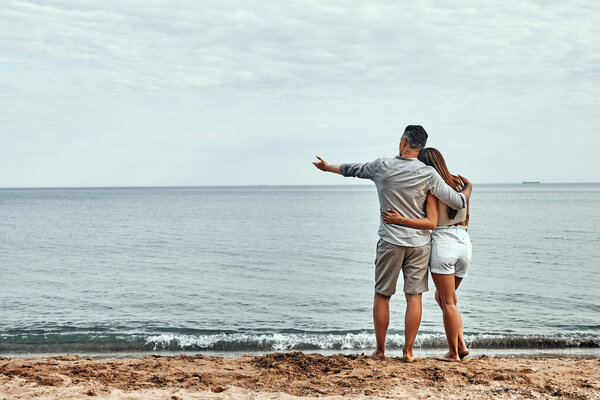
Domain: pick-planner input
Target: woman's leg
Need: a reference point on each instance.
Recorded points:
(463, 351)
(446, 292)
(462, 347)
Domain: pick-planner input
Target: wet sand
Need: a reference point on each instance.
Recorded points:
(292, 375)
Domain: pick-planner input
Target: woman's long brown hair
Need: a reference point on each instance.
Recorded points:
(433, 158)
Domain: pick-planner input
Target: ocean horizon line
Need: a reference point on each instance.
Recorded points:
(259, 185)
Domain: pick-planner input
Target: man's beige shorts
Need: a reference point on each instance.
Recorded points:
(413, 261)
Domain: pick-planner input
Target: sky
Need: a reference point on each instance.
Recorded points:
(169, 93)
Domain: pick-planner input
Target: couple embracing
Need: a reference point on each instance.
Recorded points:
(424, 217)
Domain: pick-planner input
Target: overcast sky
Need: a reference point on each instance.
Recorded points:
(119, 93)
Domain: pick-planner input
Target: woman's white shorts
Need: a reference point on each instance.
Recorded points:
(451, 251)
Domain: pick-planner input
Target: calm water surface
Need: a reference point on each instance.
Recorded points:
(262, 268)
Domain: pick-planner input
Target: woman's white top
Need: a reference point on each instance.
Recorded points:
(443, 219)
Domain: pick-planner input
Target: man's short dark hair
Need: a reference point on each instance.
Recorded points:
(416, 136)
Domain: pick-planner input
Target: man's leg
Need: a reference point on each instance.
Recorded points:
(381, 320)
(415, 271)
(387, 268)
(412, 321)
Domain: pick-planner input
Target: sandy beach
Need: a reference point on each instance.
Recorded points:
(293, 375)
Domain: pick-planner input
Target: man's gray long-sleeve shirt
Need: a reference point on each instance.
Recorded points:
(403, 184)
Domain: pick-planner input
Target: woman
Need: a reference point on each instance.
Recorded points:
(450, 251)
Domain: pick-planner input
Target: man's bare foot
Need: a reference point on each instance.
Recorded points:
(448, 357)
(411, 359)
(408, 356)
(462, 354)
(378, 354)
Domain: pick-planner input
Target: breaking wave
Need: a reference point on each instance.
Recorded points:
(349, 341)
(239, 342)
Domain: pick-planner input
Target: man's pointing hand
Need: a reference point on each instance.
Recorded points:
(323, 166)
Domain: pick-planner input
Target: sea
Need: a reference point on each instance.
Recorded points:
(280, 268)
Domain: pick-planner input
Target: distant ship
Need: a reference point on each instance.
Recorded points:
(530, 182)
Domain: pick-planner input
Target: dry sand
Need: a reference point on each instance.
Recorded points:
(288, 375)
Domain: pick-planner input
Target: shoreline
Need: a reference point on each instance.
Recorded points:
(297, 374)
(569, 352)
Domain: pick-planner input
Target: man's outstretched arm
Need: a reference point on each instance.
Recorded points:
(357, 170)
(323, 166)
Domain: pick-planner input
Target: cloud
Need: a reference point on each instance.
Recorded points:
(101, 89)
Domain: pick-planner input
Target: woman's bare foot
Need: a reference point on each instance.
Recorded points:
(378, 354)
(463, 353)
(408, 356)
(448, 357)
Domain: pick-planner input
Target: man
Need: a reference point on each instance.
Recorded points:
(402, 183)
